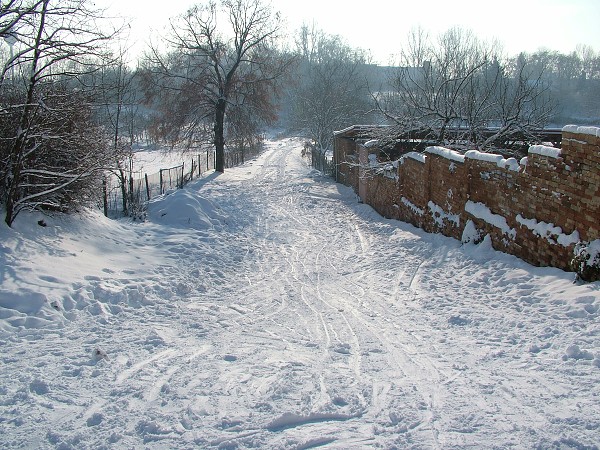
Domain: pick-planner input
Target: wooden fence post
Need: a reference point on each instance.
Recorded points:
(105, 196)
(147, 187)
(131, 192)
(161, 181)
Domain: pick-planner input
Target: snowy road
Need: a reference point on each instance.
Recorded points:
(291, 316)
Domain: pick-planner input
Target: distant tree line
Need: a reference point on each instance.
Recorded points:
(73, 107)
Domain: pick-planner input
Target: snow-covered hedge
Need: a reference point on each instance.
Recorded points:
(586, 262)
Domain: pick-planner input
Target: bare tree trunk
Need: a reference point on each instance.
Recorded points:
(105, 196)
(18, 149)
(123, 183)
(219, 135)
(223, 76)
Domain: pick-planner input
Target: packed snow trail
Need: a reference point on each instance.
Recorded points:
(291, 316)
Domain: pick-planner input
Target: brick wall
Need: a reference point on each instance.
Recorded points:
(538, 208)
(345, 156)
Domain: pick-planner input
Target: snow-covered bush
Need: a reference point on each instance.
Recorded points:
(56, 162)
(586, 262)
(471, 234)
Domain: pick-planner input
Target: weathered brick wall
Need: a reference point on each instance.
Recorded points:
(383, 196)
(413, 176)
(345, 155)
(447, 193)
(413, 186)
(536, 209)
(581, 153)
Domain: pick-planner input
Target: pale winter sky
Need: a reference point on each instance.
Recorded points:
(381, 26)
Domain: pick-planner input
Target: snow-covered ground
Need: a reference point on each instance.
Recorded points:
(267, 308)
(151, 160)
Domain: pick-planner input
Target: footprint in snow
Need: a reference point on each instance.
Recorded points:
(98, 355)
(344, 349)
(574, 352)
(457, 320)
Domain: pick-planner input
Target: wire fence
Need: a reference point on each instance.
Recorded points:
(125, 193)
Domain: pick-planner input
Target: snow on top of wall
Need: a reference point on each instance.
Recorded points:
(446, 153)
(544, 150)
(344, 130)
(594, 131)
(510, 163)
(416, 156)
(547, 230)
(482, 212)
(480, 156)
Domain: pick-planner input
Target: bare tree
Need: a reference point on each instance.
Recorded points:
(433, 80)
(518, 104)
(222, 56)
(119, 100)
(245, 120)
(464, 85)
(65, 153)
(573, 81)
(14, 15)
(174, 95)
(331, 92)
(56, 42)
(590, 61)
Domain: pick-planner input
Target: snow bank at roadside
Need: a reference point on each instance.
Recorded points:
(185, 208)
(55, 268)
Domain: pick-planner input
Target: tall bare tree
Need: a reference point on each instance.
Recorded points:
(221, 57)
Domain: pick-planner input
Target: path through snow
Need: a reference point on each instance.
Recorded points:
(267, 308)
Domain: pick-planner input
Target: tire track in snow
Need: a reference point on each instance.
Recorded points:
(414, 372)
(398, 357)
(305, 271)
(136, 368)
